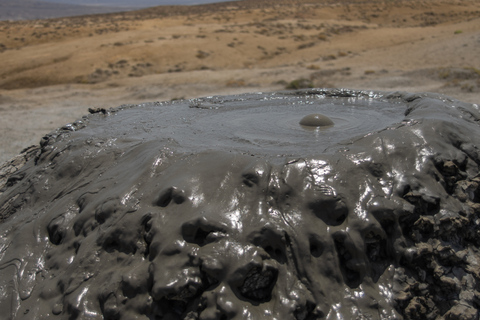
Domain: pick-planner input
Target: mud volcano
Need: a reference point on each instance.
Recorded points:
(226, 208)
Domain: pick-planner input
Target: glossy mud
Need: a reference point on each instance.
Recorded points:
(225, 208)
(316, 120)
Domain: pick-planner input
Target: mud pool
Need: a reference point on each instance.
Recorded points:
(228, 208)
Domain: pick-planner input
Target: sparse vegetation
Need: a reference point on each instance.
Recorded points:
(306, 45)
(202, 54)
(236, 83)
(246, 37)
(314, 67)
(300, 84)
(322, 37)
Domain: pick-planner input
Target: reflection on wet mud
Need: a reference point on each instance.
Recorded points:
(227, 209)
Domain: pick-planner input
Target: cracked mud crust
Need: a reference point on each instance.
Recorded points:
(225, 208)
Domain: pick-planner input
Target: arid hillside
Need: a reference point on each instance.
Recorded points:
(53, 70)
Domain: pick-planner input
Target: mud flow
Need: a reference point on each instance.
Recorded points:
(318, 204)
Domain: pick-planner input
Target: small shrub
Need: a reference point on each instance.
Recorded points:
(313, 67)
(322, 36)
(300, 84)
(306, 45)
(467, 87)
(202, 54)
(236, 83)
(329, 57)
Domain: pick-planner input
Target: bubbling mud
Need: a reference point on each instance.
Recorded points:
(316, 120)
(224, 208)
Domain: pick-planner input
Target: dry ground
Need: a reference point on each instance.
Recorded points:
(52, 71)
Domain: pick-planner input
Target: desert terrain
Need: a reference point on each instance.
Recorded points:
(52, 71)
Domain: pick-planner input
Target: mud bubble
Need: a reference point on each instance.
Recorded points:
(225, 208)
(316, 120)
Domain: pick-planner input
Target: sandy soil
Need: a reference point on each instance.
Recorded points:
(52, 71)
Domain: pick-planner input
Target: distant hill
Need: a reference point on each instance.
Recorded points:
(31, 9)
(138, 3)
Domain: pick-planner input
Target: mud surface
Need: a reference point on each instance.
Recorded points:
(226, 208)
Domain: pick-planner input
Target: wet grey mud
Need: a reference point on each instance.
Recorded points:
(225, 208)
(316, 120)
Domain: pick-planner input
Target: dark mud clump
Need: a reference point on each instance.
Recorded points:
(225, 208)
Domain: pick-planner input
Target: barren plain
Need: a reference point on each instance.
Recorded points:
(52, 71)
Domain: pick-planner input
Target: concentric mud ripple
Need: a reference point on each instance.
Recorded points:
(225, 208)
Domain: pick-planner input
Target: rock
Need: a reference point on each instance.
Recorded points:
(462, 312)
